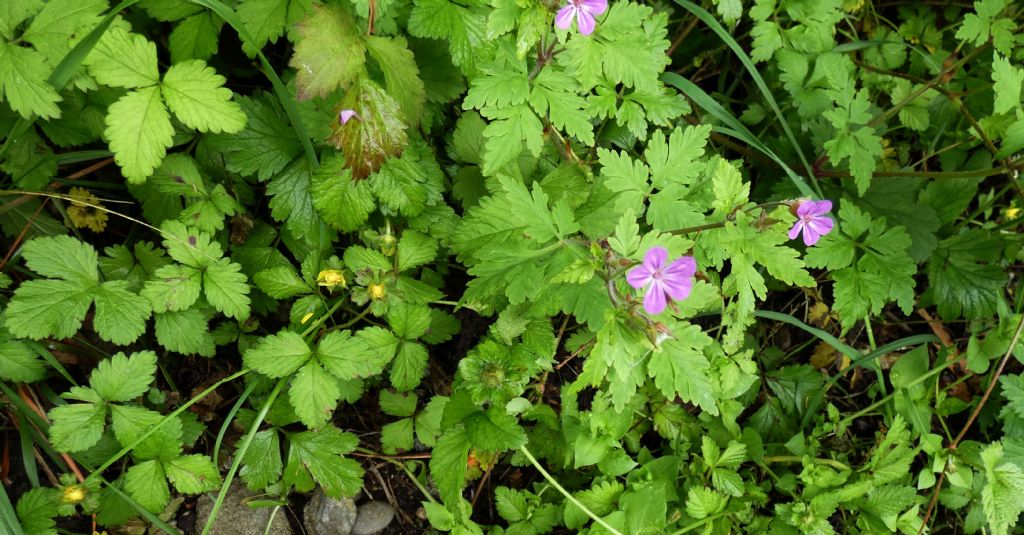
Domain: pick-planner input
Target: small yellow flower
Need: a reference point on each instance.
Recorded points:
(1012, 212)
(73, 494)
(306, 317)
(377, 291)
(86, 210)
(330, 278)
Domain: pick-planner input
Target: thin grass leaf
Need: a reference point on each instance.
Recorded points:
(28, 457)
(8, 518)
(724, 35)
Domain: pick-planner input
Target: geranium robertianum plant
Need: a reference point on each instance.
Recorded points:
(598, 266)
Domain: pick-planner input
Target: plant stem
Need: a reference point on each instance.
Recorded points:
(240, 452)
(565, 493)
(701, 522)
(796, 459)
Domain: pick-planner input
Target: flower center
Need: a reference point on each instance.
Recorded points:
(657, 275)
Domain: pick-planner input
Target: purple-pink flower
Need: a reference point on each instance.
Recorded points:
(812, 221)
(345, 115)
(583, 11)
(659, 280)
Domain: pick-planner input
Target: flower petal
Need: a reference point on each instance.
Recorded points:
(564, 17)
(654, 258)
(797, 227)
(638, 277)
(595, 7)
(585, 22)
(684, 266)
(654, 300)
(345, 115)
(678, 288)
(822, 225)
(821, 207)
(810, 236)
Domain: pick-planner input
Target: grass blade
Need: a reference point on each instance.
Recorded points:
(724, 35)
(8, 518)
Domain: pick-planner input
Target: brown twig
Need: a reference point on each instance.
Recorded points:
(970, 420)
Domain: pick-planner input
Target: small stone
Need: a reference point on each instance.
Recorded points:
(237, 518)
(373, 517)
(326, 516)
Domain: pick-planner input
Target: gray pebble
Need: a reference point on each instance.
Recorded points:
(326, 516)
(373, 517)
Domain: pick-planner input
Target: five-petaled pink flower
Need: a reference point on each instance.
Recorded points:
(674, 280)
(345, 115)
(583, 11)
(811, 219)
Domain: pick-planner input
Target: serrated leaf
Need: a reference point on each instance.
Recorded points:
(267, 20)
(1007, 84)
(397, 404)
(226, 288)
(278, 355)
(262, 463)
(343, 202)
(409, 365)
(448, 464)
(349, 357)
(377, 133)
(329, 53)
(147, 485)
(267, 143)
(42, 308)
(62, 257)
(124, 377)
(494, 430)
(195, 37)
(680, 368)
(139, 130)
(409, 321)
(314, 395)
(186, 332)
(23, 84)
(37, 509)
(195, 93)
(401, 74)
(173, 288)
(320, 452)
(123, 59)
(280, 282)
(76, 427)
(193, 474)
(397, 436)
(131, 422)
(120, 314)
(19, 363)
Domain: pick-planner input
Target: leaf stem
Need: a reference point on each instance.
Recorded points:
(796, 459)
(565, 493)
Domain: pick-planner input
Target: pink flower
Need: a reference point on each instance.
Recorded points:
(583, 11)
(345, 115)
(812, 221)
(659, 280)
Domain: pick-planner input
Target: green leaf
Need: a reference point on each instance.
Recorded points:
(139, 130)
(193, 474)
(262, 464)
(42, 308)
(195, 93)
(281, 282)
(1008, 80)
(679, 367)
(195, 37)
(409, 366)
(329, 53)
(465, 29)
(401, 74)
(409, 321)
(448, 464)
(511, 130)
(964, 279)
(291, 200)
(278, 355)
(146, 484)
(411, 183)
(120, 314)
(267, 143)
(173, 288)
(1004, 483)
(20, 364)
(397, 404)
(123, 59)
(267, 20)
(320, 451)
(343, 202)
(131, 422)
(62, 257)
(556, 94)
(349, 357)
(76, 427)
(226, 289)
(23, 82)
(397, 436)
(36, 511)
(314, 395)
(674, 161)
(186, 332)
(124, 378)
(494, 430)
(378, 132)
(415, 249)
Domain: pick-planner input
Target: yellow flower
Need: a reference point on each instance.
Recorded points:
(86, 210)
(330, 278)
(73, 494)
(377, 291)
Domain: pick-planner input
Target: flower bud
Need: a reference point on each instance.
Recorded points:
(330, 278)
(377, 291)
